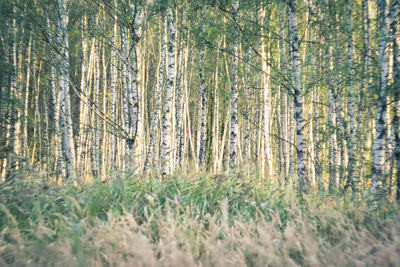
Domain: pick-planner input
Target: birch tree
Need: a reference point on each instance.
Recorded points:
(304, 180)
(267, 108)
(113, 78)
(351, 100)
(203, 116)
(395, 41)
(167, 116)
(234, 96)
(378, 150)
(63, 84)
(183, 57)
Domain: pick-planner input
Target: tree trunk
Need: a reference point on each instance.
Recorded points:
(234, 96)
(55, 106)
(63, 83)
(133, 88)
(395, 39)
(303, 177)
(351, 101)
(266, 155)
(26, 106)
(113, 78)
(203, 116)
(95, 124)
(179, 104)
(246, 133)
(378, 149)
(215, 133)
(167, 116)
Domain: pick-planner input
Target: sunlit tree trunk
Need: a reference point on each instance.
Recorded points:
(95, 100)
(351, 100)
(362, 136)
(215, 132)
(83, 106)
(378, 150)
(395, 40)
(183, 56)
(313, 124)
(126, 93)
(63, 84)
(104, 144)
(302, 173)
(203, 108)
(37, 133)
(46, 138)
(55, 106)
(266, 155)
(246, 130)
(290, 110)
(234, 96)
(167, 116)
(26, 105)
(396, 118)
(113, 79)
(133, 86)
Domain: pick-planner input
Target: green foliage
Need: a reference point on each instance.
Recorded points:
(43, 215)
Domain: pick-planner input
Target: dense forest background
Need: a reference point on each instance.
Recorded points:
(306, 92)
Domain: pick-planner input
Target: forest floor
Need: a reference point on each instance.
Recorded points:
(191, 220)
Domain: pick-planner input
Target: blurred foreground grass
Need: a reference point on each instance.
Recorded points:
(200, 219)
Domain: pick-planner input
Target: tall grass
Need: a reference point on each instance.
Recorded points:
(196, 220)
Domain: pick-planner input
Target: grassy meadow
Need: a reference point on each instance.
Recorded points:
(191, 220)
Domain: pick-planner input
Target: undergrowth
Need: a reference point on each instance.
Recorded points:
(207, 220)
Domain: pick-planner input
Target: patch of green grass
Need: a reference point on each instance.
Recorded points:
(234, 212)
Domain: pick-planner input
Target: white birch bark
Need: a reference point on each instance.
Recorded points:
(55, 106)
(312, 159)
(304, 180)
(167, 116)
(83, 107)
(215, 132)
(290, 111)
(203, 108)
(246, 133)
(396, 88)
(179, 105)
(46, 138)
(26, 106)
(37, 129)
(234, 97)
(267, 108)
(113, 78)
(63, 83)
(133, 86)
(364, 90)
(125, 90)
(378, 150)
(95, 124)
(104, 145)
(351, 100)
